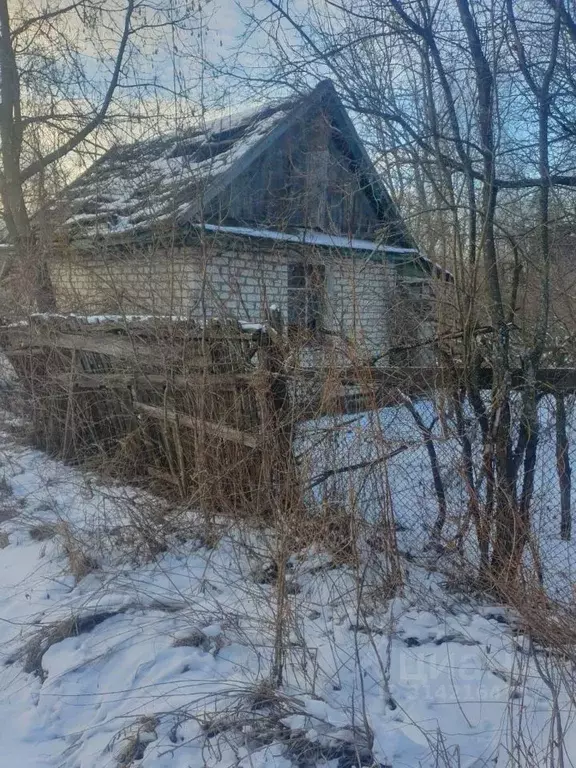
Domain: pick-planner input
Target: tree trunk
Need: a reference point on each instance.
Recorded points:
(502, 565)
(435, 468)
(44, 289)
(523, 516)
(563, 469)
(16, 216)
(476, 513)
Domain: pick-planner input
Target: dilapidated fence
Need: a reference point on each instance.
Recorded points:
(224, 416)
(158, 399)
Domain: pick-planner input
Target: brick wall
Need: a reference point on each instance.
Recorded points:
(241, 284)
(360, 294)
(238, 283)
(150, 281)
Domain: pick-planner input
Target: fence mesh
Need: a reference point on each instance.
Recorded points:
(390, 466)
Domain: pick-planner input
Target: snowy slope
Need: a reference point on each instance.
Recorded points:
(164, 660)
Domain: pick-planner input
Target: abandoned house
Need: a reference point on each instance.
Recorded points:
(280, 206)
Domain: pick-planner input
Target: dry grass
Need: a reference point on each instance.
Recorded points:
(44, 531)
(197, 639)
(33, 651)
(80, 562)
(255, 718)
(132, 742)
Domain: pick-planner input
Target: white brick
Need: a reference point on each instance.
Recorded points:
(358, 292)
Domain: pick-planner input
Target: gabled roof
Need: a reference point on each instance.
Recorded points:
(134, 185)
(171, 179)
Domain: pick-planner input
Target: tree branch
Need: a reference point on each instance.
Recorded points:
(323, 476)
(78, 138)
(45, 17)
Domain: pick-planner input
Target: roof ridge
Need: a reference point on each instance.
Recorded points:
(204, 126)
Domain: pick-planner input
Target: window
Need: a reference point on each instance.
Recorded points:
(306, 286)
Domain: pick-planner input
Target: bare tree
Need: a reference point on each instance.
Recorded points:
(68, 69)
(469, 108)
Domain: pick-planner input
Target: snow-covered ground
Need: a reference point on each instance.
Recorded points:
(404, 482)
(158, 652)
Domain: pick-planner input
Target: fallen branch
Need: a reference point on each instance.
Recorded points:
(352, 467)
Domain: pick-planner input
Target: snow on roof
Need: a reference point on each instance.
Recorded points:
(162, 181)
(306, 237)
(249, 327)
(155, 180)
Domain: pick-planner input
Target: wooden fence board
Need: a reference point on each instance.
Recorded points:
(123, 348)
(216, 429)
(114, 347)
(86, 380)
(88, 384)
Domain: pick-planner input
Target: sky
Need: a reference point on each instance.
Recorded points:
(175, 90)
(227, 20)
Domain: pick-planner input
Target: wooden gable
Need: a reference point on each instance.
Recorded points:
(295, 164)
(303, 180)
(311, 176)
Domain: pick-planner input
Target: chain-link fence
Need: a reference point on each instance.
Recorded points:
(410, 460)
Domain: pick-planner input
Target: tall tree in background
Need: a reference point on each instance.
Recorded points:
(470, 109)
(69, 68)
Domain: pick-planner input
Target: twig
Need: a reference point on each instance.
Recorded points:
(352, 467)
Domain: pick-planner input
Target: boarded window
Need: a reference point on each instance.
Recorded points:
(306, 286)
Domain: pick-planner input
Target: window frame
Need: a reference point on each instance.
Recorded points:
(306, 296)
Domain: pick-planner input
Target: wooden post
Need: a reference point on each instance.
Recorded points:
(69, 425)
